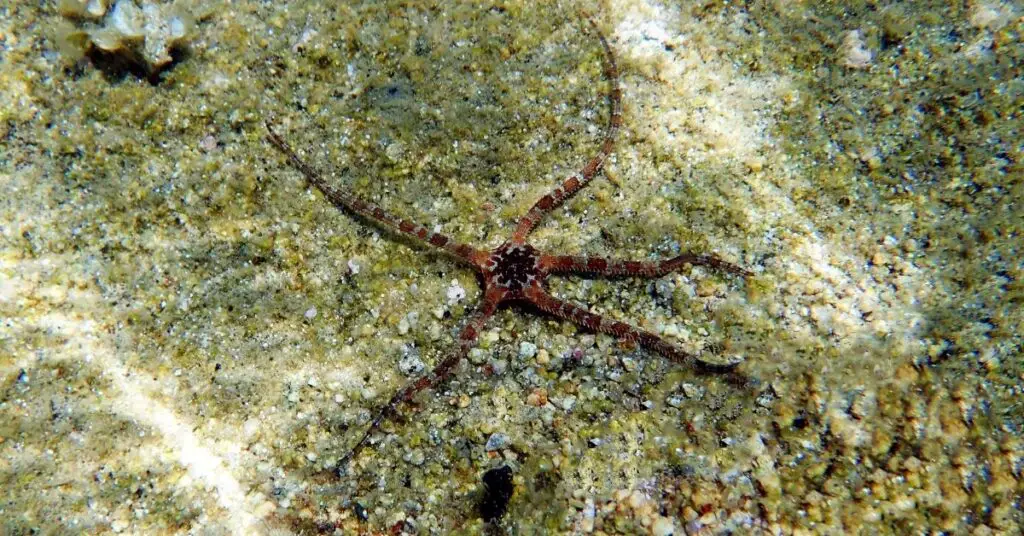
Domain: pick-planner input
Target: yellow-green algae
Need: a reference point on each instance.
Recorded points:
(164, 369)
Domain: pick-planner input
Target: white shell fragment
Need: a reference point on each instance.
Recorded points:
(856, 54)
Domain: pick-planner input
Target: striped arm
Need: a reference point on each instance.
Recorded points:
(594, 322)
(580, 179)
(600, 266)
(435, 378)
(346, 200)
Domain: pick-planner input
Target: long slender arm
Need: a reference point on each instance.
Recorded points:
(600, 266)
(594, 322)
(580, 179)
(436, 377)
(346, 200)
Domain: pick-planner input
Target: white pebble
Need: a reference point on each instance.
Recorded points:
(568, 403)
(415, 457)
(455, 292)
(663, 527)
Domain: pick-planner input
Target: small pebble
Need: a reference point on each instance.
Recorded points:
(411, 364)
(478, 356)
(497, 441)
(662, 527)
(361, 512)
(568, 403)
(692, 391)
(414, 457)
(527, 350)
(664, 288)
(455, 292)
(249, 427)
(588, 517)
(208, 143)
(537, 398)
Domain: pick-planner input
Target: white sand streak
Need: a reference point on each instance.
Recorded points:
(68, 319)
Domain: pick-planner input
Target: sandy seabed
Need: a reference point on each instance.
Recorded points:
(190, 338)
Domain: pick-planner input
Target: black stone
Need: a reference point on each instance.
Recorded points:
(361, 512)
(497, 492)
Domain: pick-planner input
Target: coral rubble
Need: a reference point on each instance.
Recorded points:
(143, 36)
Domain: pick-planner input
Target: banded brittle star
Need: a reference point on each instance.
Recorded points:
(515, 271)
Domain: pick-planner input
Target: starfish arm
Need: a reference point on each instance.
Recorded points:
(604, 267)
(577, 181)
(436, 377)
(346, 200)
(594, 322)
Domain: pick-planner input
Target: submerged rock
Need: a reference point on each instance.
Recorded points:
(138, 36)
